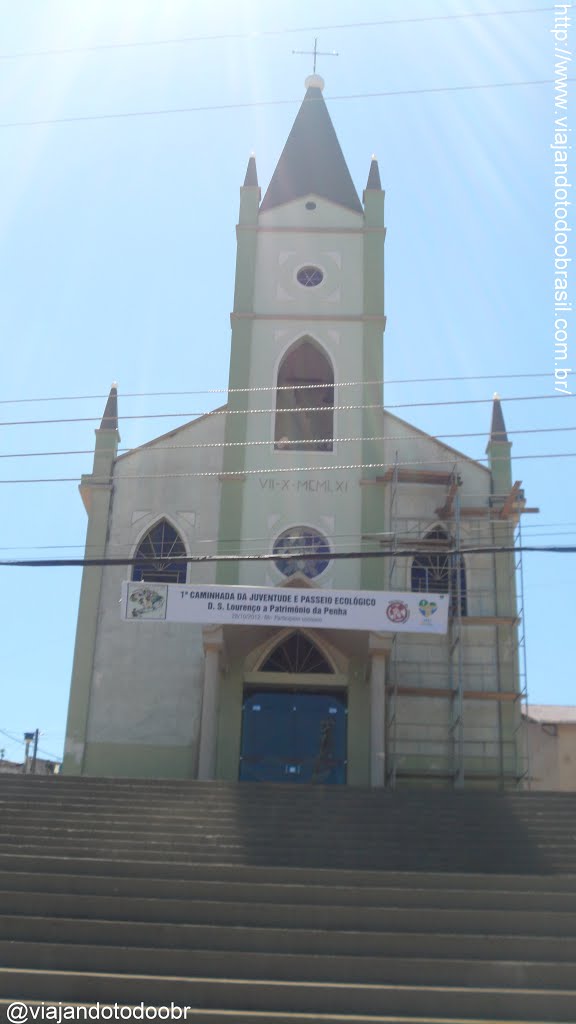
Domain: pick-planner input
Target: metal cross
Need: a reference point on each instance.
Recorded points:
(317, 53)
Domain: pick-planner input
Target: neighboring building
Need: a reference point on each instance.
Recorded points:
(551, 743)
(302, 462)
(42, 767)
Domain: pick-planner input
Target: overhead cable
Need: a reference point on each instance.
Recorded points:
(261, 33)
(248, 104)
(271, 470)
(38, 563)
(274, 387)
(286, 445)
(225, 411)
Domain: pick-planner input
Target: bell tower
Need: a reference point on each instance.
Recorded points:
(306, 368)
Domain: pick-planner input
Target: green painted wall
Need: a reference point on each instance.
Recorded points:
(138, 761)
(230, 527)
(373, 512)
(99, 489)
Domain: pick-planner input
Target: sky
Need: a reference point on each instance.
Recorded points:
(126, 128)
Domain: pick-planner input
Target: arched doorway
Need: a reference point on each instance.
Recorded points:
(292, 732)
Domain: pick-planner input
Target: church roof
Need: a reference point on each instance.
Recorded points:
(416, 431)
(312, 161)
(172, 433)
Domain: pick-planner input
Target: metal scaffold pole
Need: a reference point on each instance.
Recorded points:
(521, 745)
(455, 640)
(392, 709)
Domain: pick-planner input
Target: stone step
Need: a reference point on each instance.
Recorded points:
(430, 811)
(317, 839)
(132, 825)
(429, 970)
(188, 870)
(281, 996)
(285, 892)
(505, 815)
(256, 1017)
(376, 859)
(312, 941)
(266, 844)
(279, 904)
(279, 915)
(216, 787)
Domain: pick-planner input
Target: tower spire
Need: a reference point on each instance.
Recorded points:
(312, 162)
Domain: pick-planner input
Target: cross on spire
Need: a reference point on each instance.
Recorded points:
(316, 53)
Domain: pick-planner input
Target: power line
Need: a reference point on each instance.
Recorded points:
(261, 540)
(262, 34)
(288, 445)
(272, 387)
(53, 563)
(224, 411)
(248, 104)
(273, 470)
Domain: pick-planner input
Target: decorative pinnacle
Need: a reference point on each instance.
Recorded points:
(374, 176)
(110, 417)
(251, 179)
(314, 82)
(498, 427)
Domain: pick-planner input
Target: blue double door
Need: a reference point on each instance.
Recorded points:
(293, 735)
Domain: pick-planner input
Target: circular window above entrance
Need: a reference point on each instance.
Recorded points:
(301, 549)
(310, 277)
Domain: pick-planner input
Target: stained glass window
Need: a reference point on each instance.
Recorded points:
(437, 572)
(301, 549)
(158, 554)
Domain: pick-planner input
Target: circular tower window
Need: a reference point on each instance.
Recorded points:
(301, 549)
(310, 277)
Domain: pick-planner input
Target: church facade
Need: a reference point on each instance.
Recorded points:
(303, 465)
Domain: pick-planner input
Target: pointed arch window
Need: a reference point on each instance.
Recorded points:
(304, 414)
(297, 654)
(158, 553)
(437, 572)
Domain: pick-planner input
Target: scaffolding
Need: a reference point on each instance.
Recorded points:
(482, 749)
(522, 745)
(392, 709)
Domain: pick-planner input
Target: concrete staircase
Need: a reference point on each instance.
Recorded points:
(288, 904)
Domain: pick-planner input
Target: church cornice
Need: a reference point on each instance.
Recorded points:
(304, 318)
(305, 230)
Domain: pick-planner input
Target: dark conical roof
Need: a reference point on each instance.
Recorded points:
(251, 179)
(374, 176)
(498, 427)
(110, 417)
(312, 160)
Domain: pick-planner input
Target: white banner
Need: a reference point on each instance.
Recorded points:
(375, 610)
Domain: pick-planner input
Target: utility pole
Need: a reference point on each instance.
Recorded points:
(36, 735)
(30, 765)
